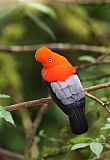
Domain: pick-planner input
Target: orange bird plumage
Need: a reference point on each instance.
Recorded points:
(54, 65)
(64, 86)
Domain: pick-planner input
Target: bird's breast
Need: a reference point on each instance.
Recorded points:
(58, 72)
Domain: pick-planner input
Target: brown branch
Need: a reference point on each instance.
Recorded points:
(55, 46)
(36, 123)
(8, 155)
(47, 100)
(103, 57)
(33, 129)
(99, 61)
(96, 77)
(28, 104)
(83, 66)
(104, 105)
(97, 87)
(102, 157)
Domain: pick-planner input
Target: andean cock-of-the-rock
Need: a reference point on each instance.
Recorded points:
(64, 87)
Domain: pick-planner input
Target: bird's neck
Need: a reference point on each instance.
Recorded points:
(58, 73)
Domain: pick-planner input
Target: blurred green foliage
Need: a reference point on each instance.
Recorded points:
(30, 23)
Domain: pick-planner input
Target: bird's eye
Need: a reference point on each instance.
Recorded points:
(50, 60)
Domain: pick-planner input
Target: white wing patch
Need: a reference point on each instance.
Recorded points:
(70, 91)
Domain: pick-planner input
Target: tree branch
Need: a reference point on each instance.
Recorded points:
(56, 46)
(98, 77)
(83, 66)
(97, 87)
(104, 105)
(49, 99)
(28, 104)
(33, 129)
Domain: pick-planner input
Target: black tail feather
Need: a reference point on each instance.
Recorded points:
(78, 120)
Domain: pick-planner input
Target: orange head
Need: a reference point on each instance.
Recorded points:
(49, 58)
(56, 67)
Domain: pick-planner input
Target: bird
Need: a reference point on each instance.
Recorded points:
(64, 86)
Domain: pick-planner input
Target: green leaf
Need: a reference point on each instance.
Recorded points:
(107, 145)
(96, 148)
(52, 139)
(43, 8)
(37, 139)
(109, 135)
(80, 139)
(4, 96)
(106, 126)
(6, 116)
(42, 133)
(7, 10)
(104, 99)
(87, 58)
(41, 24)
(101, 139)
(79, 145)
(108, 119)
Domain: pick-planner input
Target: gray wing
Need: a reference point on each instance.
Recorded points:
(70, 91)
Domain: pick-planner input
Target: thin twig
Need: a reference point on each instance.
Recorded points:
(103, 57)
(104, 105)
(97, 87)
(55, 46)
(33, 129)
(83, 66)
(99, 61)
(95, 77)
(49, 99)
